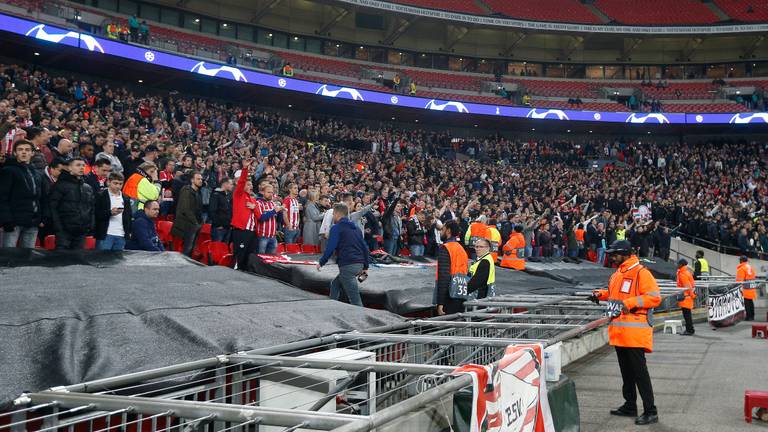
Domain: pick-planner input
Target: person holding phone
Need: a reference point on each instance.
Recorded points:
(113, 221)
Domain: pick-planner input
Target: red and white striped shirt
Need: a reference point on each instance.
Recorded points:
(292, 207)
(268, 226)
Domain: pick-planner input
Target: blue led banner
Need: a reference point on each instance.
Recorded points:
(98, 45)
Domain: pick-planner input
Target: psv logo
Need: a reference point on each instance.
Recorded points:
(513, 403)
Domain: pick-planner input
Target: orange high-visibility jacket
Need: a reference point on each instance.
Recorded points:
(459, 258)
(685, 280)
(745, 272)
(476, 230)
(635, 287)
(513, 253)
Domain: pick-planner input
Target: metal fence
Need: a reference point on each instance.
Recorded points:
(394, 377)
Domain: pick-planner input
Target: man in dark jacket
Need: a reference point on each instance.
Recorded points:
(189, 214)
(220, 209)
(20, 198)
(98, 178)
(417, 234)
(112, 215)
(71, 204)
(347, 241)
(143, 232)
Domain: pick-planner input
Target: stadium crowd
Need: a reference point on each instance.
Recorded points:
(82, 158)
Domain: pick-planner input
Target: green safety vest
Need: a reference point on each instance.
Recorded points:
(621, 234)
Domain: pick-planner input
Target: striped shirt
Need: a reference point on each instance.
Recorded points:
(266, 218)
(292, 208)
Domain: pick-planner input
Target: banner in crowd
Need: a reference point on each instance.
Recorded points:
(511, 396)
(726, 307)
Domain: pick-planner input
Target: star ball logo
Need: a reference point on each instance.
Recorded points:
(282, 82)
(149, 56)
(394, 100)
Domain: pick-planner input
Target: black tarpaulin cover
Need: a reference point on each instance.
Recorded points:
(72, 317)
(572, 271)
(403, 289)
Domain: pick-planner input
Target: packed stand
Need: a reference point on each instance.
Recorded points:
(85, 162)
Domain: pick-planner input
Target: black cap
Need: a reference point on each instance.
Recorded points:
(743, 258)
(621, 247)
(135, 147)
(682, 262)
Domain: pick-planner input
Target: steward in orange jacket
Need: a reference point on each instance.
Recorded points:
(632, 294)
(685, 280)
(745, 273)
(513, 253)
(452, 269)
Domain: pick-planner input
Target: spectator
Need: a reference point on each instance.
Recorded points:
(351, 252)
(417, 234)
(62, 150)
(143, 232)
(313, 216)
(396, 83)
(412, 90)
(72, 207)
(243, 217)
(392, 225)
(21, 209)
(108, 153)
(267, 214)
(291, 214)
(98, 178)
(189, 214)
(112, 215)
(133, 161)
(220, 211)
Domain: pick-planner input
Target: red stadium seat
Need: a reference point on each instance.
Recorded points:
(50, 242)
(217, 251)
(90, 243)
(662, 12)
(164, 232)
(292, 248)
(545, 10)
(201, 252)
(310, 249)
(462, 6)
(280, 248)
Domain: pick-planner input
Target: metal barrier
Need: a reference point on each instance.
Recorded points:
(389, 377)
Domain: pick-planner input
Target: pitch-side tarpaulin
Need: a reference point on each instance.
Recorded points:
(570, 270)
(70, 317)
(403, 288)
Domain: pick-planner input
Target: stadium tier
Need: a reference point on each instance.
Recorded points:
(744, 10)
(657, 12)
(463, 6)
(545, 10)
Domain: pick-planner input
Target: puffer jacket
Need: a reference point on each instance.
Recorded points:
(72, 204)
(20, 193)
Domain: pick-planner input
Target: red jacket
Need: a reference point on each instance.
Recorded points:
(242, 217)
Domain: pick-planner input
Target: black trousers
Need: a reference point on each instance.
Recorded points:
(244, 244)
(634, 373)
(688, 317)
(749, 305)
(68, 241)
(190, 238)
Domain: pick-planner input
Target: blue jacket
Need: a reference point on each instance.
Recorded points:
(346, 240)
(143, 234)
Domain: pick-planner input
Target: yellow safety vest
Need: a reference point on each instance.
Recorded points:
(491, 273)
(621, 234)
(704, 266)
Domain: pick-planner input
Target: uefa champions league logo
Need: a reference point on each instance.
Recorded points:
(236, 73)
(149, 56)
(394, 100)
(39, 32)
(552, 114)
(446, 106)
(743, 118)
(340, 93)
(647, 118)
(282, 82)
